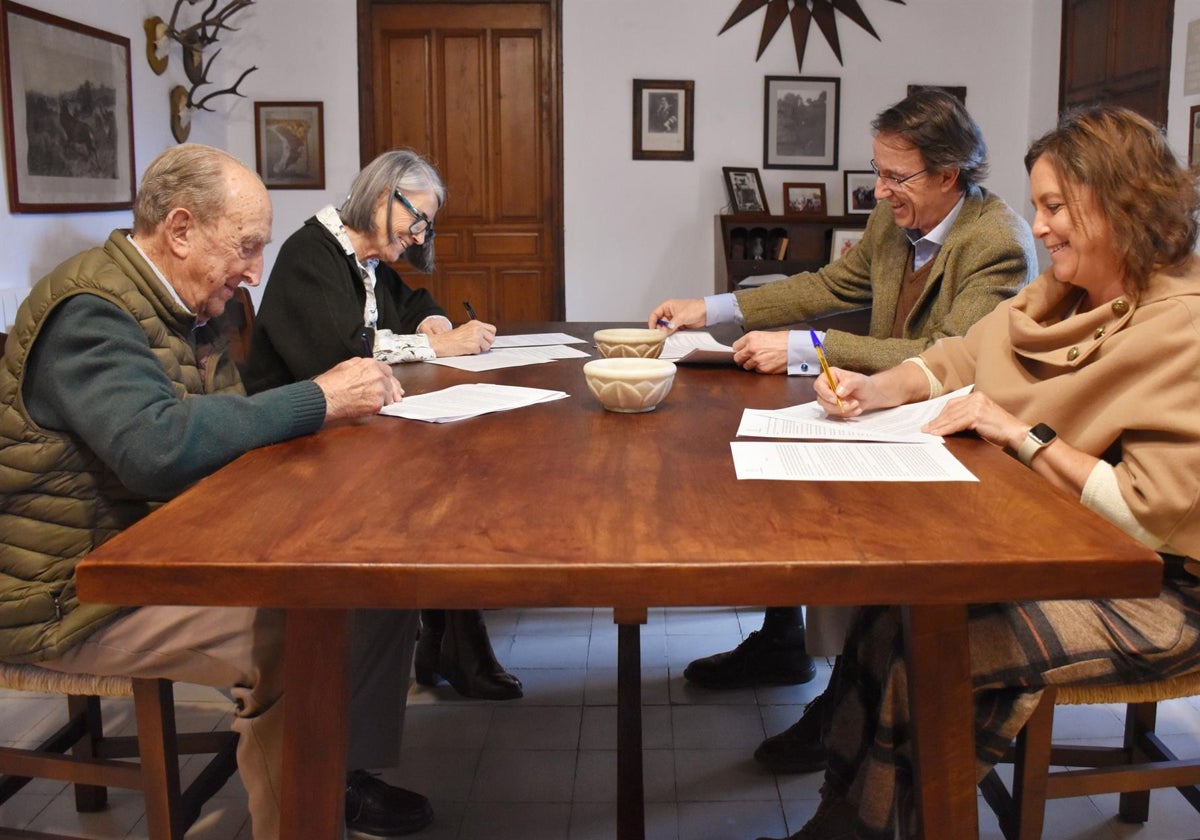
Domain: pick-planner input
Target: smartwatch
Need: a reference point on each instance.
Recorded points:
(1037, 439)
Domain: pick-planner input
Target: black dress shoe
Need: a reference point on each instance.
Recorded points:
(759, 660)
(375, 810)
(797, 749)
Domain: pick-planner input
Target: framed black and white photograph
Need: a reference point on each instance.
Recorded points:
(289, 145)
(800, 122)
(662, 119)
(68, 119)
(745, 189)
(842, 240)
(804, 200)
(860, 191)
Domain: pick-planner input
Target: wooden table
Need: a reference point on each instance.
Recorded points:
(565, 504)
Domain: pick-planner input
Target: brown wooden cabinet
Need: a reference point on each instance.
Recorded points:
(748, 244)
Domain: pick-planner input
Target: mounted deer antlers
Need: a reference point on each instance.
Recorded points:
(194, 39)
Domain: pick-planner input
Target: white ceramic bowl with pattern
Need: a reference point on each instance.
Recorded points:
(630, 343)
(629, 385)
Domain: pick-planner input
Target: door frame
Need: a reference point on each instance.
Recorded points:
(366, 113)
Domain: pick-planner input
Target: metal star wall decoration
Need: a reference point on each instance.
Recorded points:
(802, 13)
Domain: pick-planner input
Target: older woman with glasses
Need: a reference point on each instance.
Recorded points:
(333, 295)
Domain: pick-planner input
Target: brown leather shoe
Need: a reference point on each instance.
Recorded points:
(797, 749)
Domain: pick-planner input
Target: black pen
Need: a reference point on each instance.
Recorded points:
(470, 311)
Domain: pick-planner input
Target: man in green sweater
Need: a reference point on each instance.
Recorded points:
(938, 253)
(115, 396)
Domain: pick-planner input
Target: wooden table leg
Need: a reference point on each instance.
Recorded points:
(315, 723)
(939, 690)
(631, 803)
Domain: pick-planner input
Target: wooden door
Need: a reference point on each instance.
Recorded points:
(475, 87)
(1119, 52)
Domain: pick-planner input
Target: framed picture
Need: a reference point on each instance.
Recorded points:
(662, 120)
(860, 191)
(289, 145)
(745, 189)
(843, 240)
(68, 119)
(1194, 136)
(804, 200)
(800, 123)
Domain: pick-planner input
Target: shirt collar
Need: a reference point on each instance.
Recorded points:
(938, 235)
(162, 279)
(332, 222)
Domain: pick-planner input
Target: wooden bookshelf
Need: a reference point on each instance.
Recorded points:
(808, 238)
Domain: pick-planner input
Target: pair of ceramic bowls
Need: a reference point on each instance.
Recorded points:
(630, 379)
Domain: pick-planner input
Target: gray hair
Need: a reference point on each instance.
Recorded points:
(191, 176)
(938, 126)
(399, 169)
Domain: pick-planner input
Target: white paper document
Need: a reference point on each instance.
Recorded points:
(509, 357)
(809, 421)
(461, 401)
(847, 462)
(535, 340)
(689, 347)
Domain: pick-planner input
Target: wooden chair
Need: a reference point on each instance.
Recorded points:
(237, 323)
(92, 764)
(1141, 764)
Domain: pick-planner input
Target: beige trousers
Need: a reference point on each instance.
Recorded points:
(240, 650)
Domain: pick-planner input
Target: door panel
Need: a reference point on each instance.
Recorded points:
(474, 86)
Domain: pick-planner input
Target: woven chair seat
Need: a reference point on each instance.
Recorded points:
(46, 681)
(1186, 685)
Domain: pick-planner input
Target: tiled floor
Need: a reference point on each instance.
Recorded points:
(543, 768)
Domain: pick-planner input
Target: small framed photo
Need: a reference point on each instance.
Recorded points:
(745, 188)
(289, 145)
(662, 119)
(804, 200)
(800, 122)
(68, 117)
(1194, 136)
(860, 191)
(843, 240)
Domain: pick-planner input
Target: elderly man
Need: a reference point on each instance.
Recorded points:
(939, 252)
(114, 397)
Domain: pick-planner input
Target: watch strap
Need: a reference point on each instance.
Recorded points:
(1036, 439)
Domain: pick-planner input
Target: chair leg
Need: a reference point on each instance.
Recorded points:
(88, 798)
(1140, 720)
(154, 706)
(1031, 766)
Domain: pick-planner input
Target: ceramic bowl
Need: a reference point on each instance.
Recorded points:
(629, 385)
(630, 343)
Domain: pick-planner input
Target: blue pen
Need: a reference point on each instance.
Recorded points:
(825, 366)
(663, 322)
(367, 344)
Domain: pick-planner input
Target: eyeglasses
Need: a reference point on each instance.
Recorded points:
(421, 223)
(892, 180)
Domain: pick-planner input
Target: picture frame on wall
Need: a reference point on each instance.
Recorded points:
(289, 145)
(663, 119)
(745, 189)
(68, 114)
(800, 122)
(1194, 136)
(842, 240)
(859, 191)
(804, 200)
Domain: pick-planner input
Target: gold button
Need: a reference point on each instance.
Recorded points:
(1119, 306)
(1072, 354)
(1099, 333)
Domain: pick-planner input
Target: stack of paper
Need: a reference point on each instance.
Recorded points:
(459, 402)
(690, 347)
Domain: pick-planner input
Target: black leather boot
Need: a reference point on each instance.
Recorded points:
(774, 655)
(459, 651)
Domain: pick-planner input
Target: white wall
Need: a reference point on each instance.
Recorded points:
(635, 231)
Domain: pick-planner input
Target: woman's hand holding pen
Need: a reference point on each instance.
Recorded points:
(471, 338)
(856, 392)
(672, 315)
